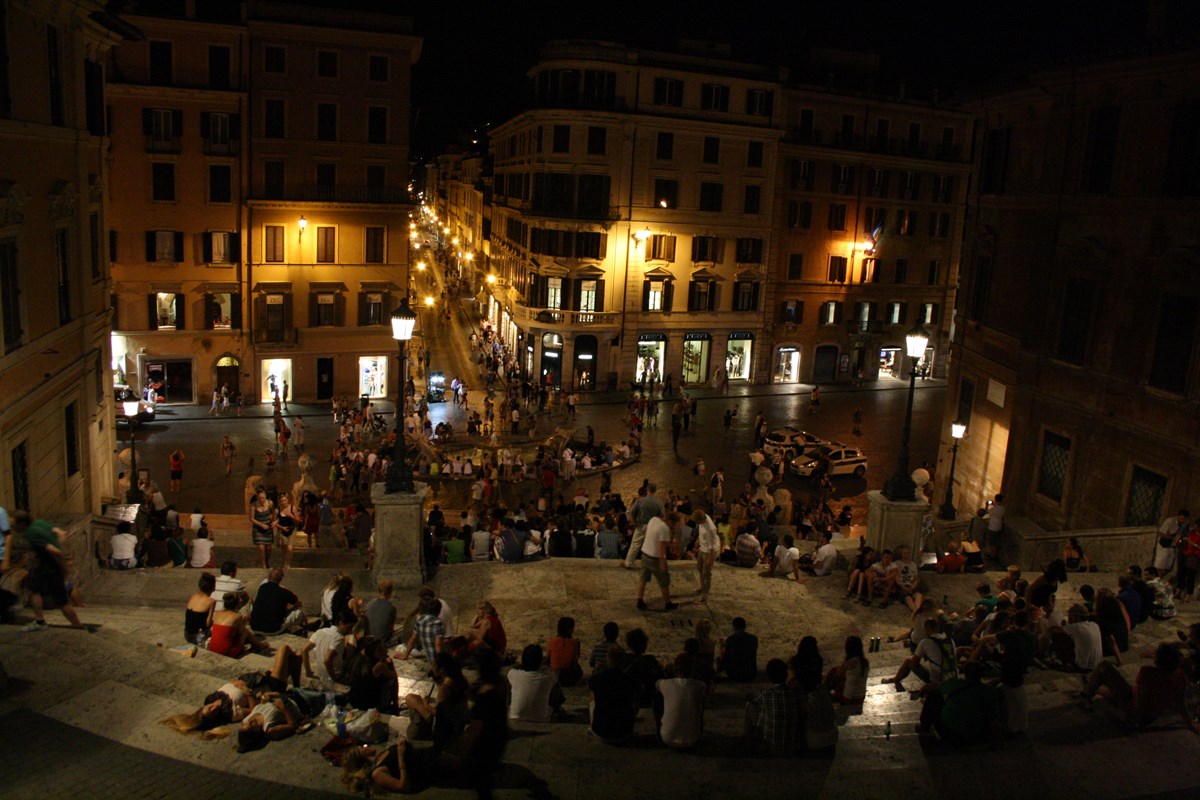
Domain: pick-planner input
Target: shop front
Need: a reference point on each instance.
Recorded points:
(738, 355)
(651, 350)
(552, 350)
(373, 376)
(170, 380)
(273, 374)
(787, 364)
(696, 347)
(585, 362)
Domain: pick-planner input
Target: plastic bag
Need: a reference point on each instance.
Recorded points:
(363, 726)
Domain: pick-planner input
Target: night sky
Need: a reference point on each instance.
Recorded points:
(475, 54)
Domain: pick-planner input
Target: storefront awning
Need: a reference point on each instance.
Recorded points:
(273, 287)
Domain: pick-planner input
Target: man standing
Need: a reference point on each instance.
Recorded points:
(228, 452)
(644, 509)
(708, 547)
(995, 527)
(48, 578)
(654, 557)
(716, 486)
(285, 394)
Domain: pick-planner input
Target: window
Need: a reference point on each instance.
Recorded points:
(274, 59)
(273, 180)
(800, 174)
(754, 154)
(377, 125)
(929, 313)
(561, 141)
(218, 67)
(94, 243)
(831, 313)
(1182, 175)
(224, 311)
(712, 150)
(749, 250)
(377, 68)
(664, 148)
(274, 119)
(326, 244)
(327, 122)
(874, 218)
(752, 202)
(944, 192)
(712, 196)
(653, 294)
(792, 312)
(795, 267)
(882, 134)
(71, 438)
(10, 295)
(931, 274)
(1147, 493)
(661, 248)
(166, 311)
(906, 222)
(702, 295)
(864, 312)
(160, 63)
(877, 182)
(1100, 150)
(910, 185)
(93, 92)
(914, 137)
(837, 217)
(901, 270)
(837, 269)
(164, 246)
(846, 135)
(589, 295)
(947, 148)
(327, 64)
(326, 181)
(372, 308)
(373, 252)
(745, 295)
(590, 244)
(325, 312)
(162, 127)
(704, 249)
(995, 161)
(666, 193)
(55, 74)
(273, 244)
(220, 247)
(668, 92)
(62, 269)
(597, 140)
(599, 88)
(897, 313)
(939, 224)
(804, 130)
(1174, 343)
(760, 102)
(799, 214)
(554, 297)
(869, 272)
(376, 176)
(1052, 471)
(20, 475)
(714, 97)
(219, 132)
(843, 179)
(220, 183)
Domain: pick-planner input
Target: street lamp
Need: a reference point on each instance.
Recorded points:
(900, 486)
(399, 475)
(134, 493)
(957, 431)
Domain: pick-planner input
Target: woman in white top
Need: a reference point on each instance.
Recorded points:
(200, 550)
(848, 680)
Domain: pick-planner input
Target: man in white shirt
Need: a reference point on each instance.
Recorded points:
(909, 585)
(532, 697)
(785, 561)
(654, 557)
(933, 661)
(881, 580)
(708, 548)
(682, 722)
(821, 562)
(1078, 642)
(124, 548)
(327, 646)
(228, 581)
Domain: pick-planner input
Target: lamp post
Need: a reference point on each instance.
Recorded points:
(399, 475)
(957, 431)
(134, 493)
(900, 486)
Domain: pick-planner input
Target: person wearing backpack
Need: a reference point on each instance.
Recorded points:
(933, 661)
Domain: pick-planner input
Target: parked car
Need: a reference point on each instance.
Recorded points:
(121, 393)
(843, 460)
(792, 442)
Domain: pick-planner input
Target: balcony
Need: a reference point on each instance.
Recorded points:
(227, 148)
(555, 319)
(156, 144)
(345, 193)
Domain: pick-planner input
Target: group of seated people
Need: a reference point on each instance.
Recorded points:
(162, 544)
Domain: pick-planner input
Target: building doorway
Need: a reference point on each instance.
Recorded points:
(825, 363)
(787, 364)
(171, 380)
(229, 372)
(552, 346)
(324, 378)
(585, 362)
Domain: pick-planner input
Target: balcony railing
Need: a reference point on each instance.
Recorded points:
(865, 326)
(566, 319)
(155, 144)
(229, 148)
(348, 193)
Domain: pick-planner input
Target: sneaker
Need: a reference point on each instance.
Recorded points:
(641, 604)
(34, 627)
(671, 606)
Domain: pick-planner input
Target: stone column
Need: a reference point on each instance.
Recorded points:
(893, 523)
(399, 522)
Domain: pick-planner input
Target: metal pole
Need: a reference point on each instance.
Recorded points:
(900, 486)
(947, 511)
(399, 474)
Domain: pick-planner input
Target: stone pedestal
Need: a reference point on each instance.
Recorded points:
(399, 518)
(894, 523)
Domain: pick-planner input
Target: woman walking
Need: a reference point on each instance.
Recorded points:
(262, 520)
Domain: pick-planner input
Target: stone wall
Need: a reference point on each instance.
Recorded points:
(1110, 549)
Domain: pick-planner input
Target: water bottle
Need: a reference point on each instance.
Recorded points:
(201, 640)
